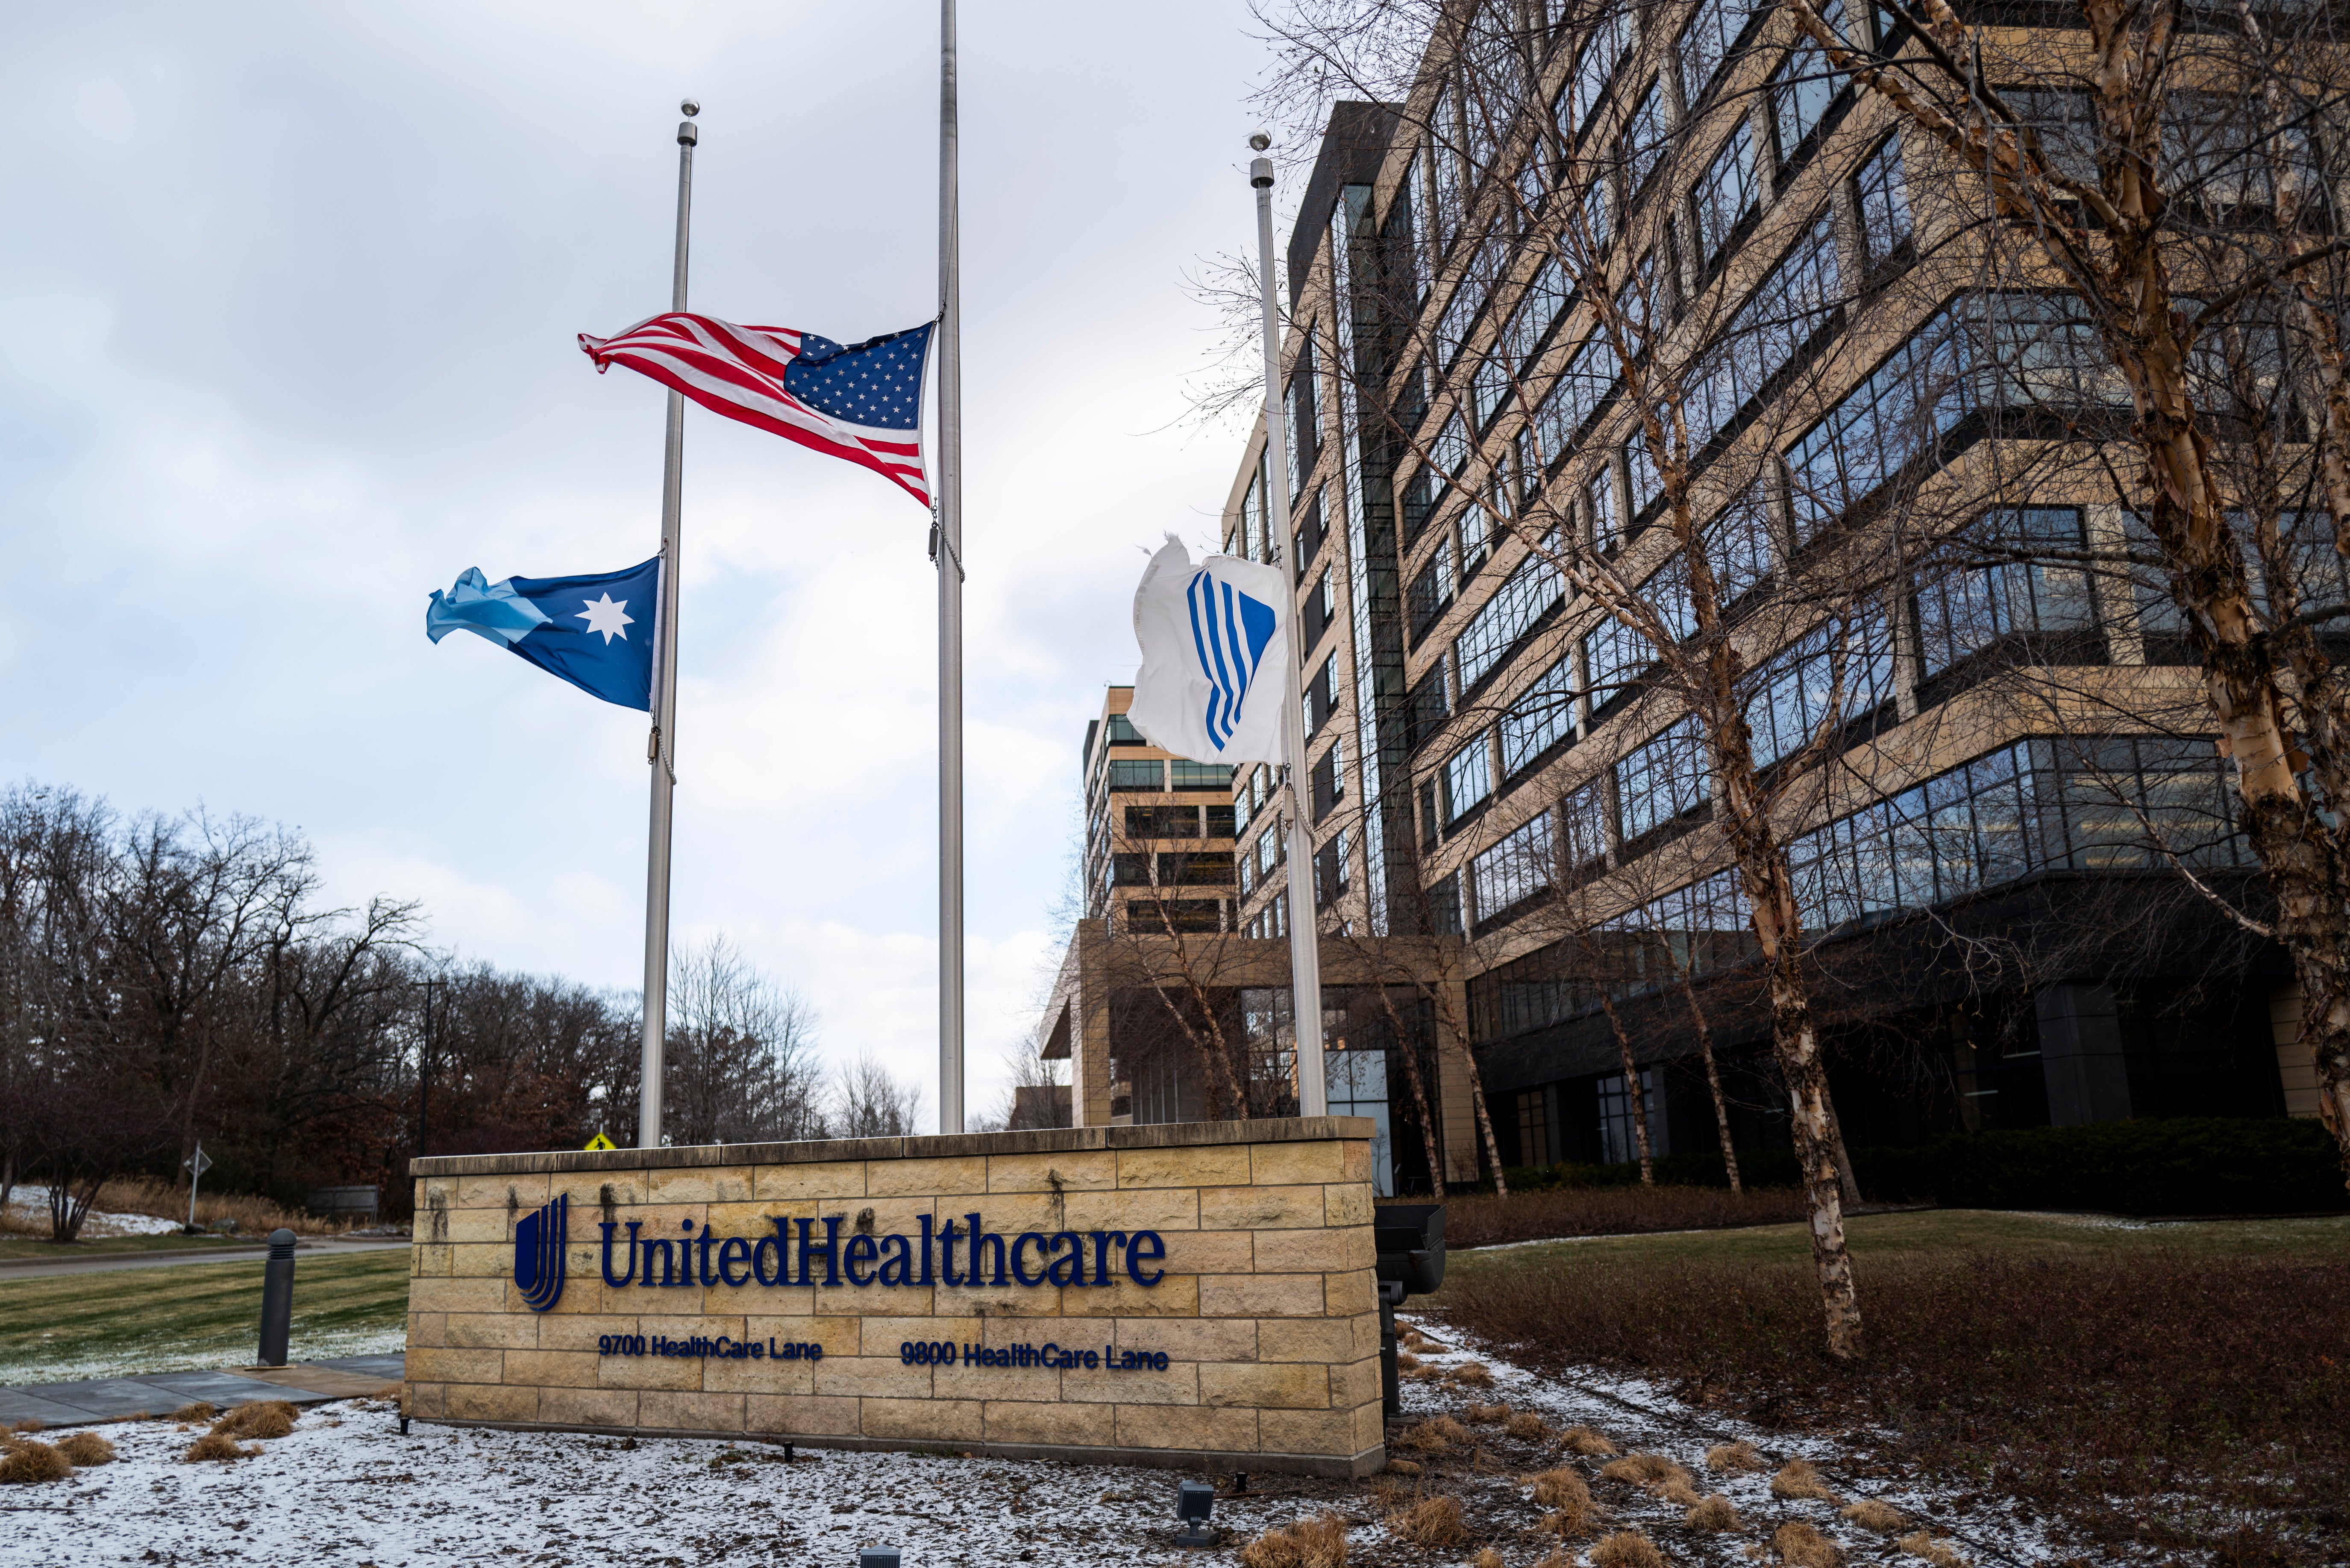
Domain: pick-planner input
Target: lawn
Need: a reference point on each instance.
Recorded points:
(24, 1247)
(109, 1323)
(2168, 1385)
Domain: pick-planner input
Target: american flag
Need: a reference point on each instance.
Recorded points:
(862, 402)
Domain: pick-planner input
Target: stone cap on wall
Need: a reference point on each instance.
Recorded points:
(1044, 1140)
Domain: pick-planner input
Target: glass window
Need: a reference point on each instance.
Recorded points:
(1884, 201)
(1705, 44)
(1805, 85)
(1510, 614)
(1202, 775)
(1541, 717)
(1978, 595)
(1784, 312)
(1511, 872)
(1661, 780)
(1431, 591)
(1586, 89)
(1129, 775)
(1122, 731)
(1724, 195)
(1449, 451)
(1619, 1140)
(1641, 144)
(1305, 427)
(1468, 779)
(1829, 676)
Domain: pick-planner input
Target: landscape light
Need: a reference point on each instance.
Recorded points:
(876, 1557)
(1194, 1501)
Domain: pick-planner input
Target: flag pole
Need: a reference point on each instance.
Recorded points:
(1305, 945)
(661, 749)
(950, 567)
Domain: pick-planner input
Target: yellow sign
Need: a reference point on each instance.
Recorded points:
(598, 1142)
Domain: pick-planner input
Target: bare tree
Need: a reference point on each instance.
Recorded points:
(741, 1053)
(868, 1102)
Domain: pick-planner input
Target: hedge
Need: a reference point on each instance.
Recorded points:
(2188, 1164)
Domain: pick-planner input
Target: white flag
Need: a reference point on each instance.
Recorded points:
(1213, 637)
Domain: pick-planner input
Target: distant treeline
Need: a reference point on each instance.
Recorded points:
(166, 979)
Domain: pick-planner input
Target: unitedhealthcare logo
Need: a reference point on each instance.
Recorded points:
(538, 1253)
(1229, 631)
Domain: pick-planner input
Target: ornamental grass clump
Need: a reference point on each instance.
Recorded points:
(1713, 1512)
(1470, 1374)
(1432, 1522)
(1526, 1424)
(261, 1419)
(1801, 1546)
(1568, 1497)
(219, 1446)
(1435, 1436)
(85, 1447)
(26, 1462)
(1871, 1514)
(1487, 1415)
(1488, 1558)
(1651, 1473)
(1627, 1549)
(1921, 1544)
(1318, 1543)
(1734, 1458)
(1584, 1440)
(1800, 1480)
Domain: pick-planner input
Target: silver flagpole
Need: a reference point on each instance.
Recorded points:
(950, 565)
(1305, 945)
(661, 749)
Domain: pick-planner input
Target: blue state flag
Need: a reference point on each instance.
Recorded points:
(596, 631)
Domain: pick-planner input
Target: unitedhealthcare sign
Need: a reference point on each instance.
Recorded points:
(538, 1254)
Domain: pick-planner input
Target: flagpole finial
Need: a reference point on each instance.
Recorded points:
(1259, 140)
(688, 133)
(690, 108)
(1260, 167)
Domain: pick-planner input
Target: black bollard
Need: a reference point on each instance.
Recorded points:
(277, 1298)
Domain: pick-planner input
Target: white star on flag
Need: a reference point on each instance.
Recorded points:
(602, 615)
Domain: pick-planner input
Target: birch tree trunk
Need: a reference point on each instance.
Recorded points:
(1712, 1081)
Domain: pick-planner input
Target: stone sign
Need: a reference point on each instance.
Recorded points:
(1191, 1294)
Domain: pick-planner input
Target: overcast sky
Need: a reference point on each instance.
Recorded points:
(289, 297)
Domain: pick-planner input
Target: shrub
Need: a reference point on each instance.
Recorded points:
(1921, 1544)
(1585, 1442)
(1406, 1361)
(1308, 1543)
(261, 1419)
(1526, 1424)
(1470, 1374)
(1556, 1488)
(1734, 1458)
(1800, 1480)
(218, 1446)
(1871, 1514)
(1801, 1546)
(87, 1447)
(1477, 1221)
(27, 1462)
(1627, 1549)
(1433, 1522)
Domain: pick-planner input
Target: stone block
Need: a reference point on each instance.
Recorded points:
(1005, 1214)
(1347, 1203)
(1003, 1301)
(649, 1372)
(1178, 1385)
(1351, 1293)
(800, 1415)
(1261, 1295)
(1323, 1433)
(879, 1336)
(1354, 1383)
(1075, 1170)
(1176, 1295)
(1231, 1430)
(455, 1293)
(588, 1407)
(1161, 1209)
(1323, 1339)
(1296, 1164)
(1191, 1338)
(457, 1366)
(1261, 1208)
(1215, 1166)
(838, 1335)
(965, 1381)
(923, 1420)
(1370, 1427)
(726, 1374)
(565, 1331)
(1357, 1161)
(753, 1219)
(520, 1191)
(491, 1331)
(871, 1378)
(428, 1330)
(552, 1369)
(872, 1301)
(592, 1192)
(920, 1178)
(1367, 1333)
(1266, 1385)
(429, 1400)
(491, 1402)
(832, 1178)
(1209, 1252)
(482, 1225)
(1317, 1252)
(690, 1410)
(901, 1214)
(1013, 1421)
(699, 1184)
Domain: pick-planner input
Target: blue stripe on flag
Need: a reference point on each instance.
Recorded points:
(1210, 667)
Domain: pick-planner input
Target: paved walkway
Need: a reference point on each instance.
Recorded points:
(17, 1268)
(160, 1393)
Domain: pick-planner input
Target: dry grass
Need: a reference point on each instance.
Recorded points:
(1627, 1549)
(1470, 1374)
(1612, 1211)
(1921, 1544)
(1435, 1436)
(1587, 1442)
(1801, 1546)
(1714, 1512)
(1488, 1558)
(194, 1413)
(1403, 1466)
(1432, 1522)
(1652, 1473)
(27, 1462)
(1800, 1480)
(1406, 1361)
(1556, 1488)
(1559, 1558)
(261, 1418)
(31, 1423)
(1486, 1414)
(1735, 1459)
(85, 1448)
(1526, 1424)
(254, 1216)
(1871, 1514)
(1307, 1543)
(218, 1446)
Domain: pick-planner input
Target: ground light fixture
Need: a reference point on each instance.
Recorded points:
(876, 1557)
(1194, 1500)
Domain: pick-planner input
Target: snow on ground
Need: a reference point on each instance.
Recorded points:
(184, 1352)
(345, 1489)
(29, 1206)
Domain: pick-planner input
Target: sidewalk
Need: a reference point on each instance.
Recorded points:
(119, 1398)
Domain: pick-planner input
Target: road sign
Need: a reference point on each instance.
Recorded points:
(599, 1142)
(198, 1161)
